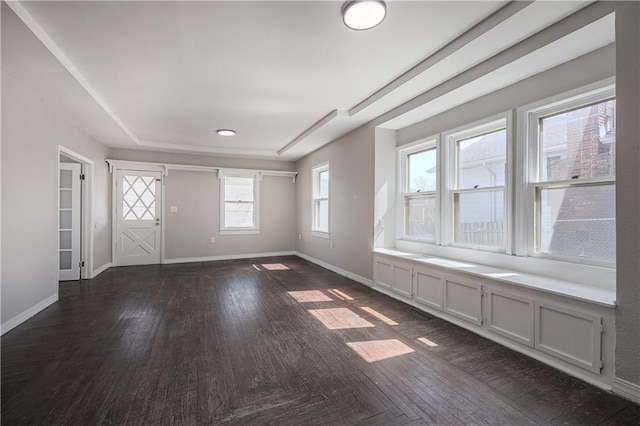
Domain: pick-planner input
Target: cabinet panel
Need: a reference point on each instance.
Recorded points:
(384, 273)
(463, 301)
(402, 280)
(569, 335)
(511, 316)
(429, 289)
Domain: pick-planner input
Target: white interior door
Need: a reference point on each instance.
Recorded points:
(69, 222)
(138, 210)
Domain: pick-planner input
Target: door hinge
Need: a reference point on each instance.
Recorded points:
(601, 326)
(601, 365)
(82, 176)
(82, 264)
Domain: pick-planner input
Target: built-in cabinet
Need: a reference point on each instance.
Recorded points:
(535, 321)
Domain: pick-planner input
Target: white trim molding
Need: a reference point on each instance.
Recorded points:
(166, 167)
(101, 269)
(12, 323)
(337, 270)
(228, 257)
(626, 389)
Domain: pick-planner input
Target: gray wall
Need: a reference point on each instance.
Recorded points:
(350, 203)
(627, 184)
(31, 134)
(579, 72)
(188, 232)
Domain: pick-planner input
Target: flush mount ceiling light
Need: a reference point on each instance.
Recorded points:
(363, 14)
(226, 132)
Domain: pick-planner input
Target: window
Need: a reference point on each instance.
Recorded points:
(419, 180)
(239, 204)
(320, 208)
(572, 173)
(478, 162)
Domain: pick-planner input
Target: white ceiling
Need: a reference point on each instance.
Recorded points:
(288, 76)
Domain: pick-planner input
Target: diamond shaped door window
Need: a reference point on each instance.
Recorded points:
(138, 198)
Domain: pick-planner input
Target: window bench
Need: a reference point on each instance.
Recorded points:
(567, 325)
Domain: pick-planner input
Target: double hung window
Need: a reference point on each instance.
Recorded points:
(419, 191)
(478, 163)
(572, 179)
(239, 204)
(320, 207)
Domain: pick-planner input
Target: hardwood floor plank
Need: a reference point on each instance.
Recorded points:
(236, 343)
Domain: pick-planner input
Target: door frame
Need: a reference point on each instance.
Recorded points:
(86, 218)
(136, 167)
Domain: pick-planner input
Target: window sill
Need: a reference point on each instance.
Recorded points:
(239, 231)
(597, 295)
(320, 234)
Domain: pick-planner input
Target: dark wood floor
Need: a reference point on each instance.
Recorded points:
(250, 342)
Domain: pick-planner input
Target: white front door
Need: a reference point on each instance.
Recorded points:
(138, 210)
(69, 222)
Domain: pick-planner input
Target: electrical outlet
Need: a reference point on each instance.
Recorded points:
(174, 209)
(299, 236)
(331, 245)
(213, 240)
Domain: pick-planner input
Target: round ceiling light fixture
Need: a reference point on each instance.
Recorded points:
(226, 132)
(363, 14)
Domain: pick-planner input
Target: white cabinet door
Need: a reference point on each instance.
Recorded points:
(402, 280)
(511, 316)
(139, 208)
(569, 335)
(428, 289)
(463, 300)
(384, 273)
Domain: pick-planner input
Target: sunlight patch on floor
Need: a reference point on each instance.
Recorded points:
(307, 296)
(427, 342)
(339, 318)
(378, 315)
(340, 294)
(378, 350)
(275, 267)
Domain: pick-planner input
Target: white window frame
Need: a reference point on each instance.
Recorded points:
(222, 174)
(530, 117)
(315, 200)
(403, 153)
(450, 179)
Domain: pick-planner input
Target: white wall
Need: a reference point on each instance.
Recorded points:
(31, 134)
(628, 192)
(350, 203)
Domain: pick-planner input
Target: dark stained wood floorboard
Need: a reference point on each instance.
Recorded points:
(225, 343)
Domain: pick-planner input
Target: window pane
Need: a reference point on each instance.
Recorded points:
(482, 160)
(324, 184)
(322, 214)
(138, 198)
(238, 215)
(579, 143)
(578, 222)
(479, 218)
(422, 171)
(420, 213)
(238, 189)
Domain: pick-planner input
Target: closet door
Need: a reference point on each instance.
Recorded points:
(69, 222)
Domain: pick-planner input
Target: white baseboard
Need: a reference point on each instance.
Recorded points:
(626, 389)
(340, 271)
(228, 257)
(101, 269)
(22, 317)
